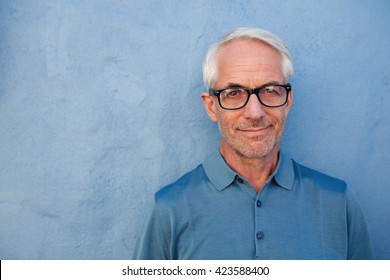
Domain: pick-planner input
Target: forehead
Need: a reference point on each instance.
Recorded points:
(248, 62)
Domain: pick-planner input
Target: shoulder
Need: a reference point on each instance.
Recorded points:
(311, 177)
(184, 187)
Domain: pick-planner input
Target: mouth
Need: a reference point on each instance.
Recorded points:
(255, 131)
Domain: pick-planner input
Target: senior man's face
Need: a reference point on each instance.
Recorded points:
(255, 130)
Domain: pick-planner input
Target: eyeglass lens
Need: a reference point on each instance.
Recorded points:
(272, 96)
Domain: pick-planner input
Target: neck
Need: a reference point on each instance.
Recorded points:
(255, 170)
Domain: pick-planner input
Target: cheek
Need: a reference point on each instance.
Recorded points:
(226, 121)
(226, 129)
(280, 116)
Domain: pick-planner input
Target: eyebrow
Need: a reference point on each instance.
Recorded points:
(236, 85)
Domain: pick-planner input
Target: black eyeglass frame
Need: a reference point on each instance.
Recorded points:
(251, 91)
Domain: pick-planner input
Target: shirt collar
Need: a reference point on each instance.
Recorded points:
(218, 172)
(222, 176)
(285, 174)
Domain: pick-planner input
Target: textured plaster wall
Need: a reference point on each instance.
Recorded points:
(100, 107)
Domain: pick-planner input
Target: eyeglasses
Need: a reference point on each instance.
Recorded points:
(270, 95)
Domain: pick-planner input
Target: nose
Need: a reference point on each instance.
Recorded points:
(254, 109)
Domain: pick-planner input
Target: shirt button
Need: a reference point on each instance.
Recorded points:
(240, 180)
(260, 235)
(258, 203)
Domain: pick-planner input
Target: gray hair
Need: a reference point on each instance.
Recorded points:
(209, 66)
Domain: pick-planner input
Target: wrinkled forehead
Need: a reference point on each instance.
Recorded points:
(247, 50)
(249, 59)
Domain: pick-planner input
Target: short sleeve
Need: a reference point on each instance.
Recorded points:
(151, 244)
(359, 244)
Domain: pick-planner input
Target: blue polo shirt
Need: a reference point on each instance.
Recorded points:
(213, 213)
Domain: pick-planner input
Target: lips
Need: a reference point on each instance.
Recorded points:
(254, 131)
(255, 128)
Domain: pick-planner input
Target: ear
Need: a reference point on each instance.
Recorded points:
(289, 103)
(209, 105)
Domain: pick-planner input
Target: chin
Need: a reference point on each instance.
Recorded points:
(255, 152)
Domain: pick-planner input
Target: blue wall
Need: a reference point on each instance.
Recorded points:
(100, 106)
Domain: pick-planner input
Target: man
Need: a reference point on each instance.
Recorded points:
(249, 200)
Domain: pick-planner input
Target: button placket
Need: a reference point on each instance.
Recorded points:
(260, 235)
(260, 223)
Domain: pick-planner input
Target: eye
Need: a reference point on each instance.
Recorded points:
(270, 90)
(233, 93)
(273, 90)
